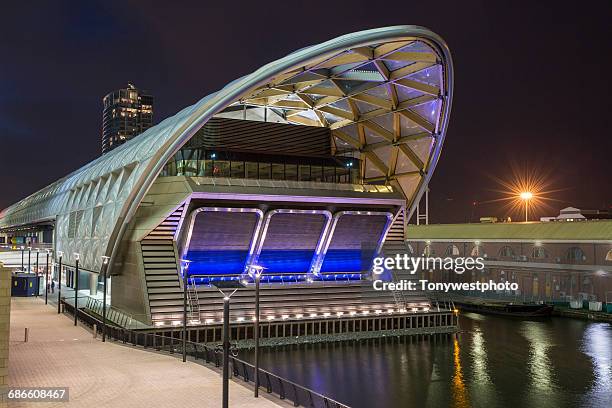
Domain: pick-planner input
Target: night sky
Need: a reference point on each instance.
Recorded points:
(532, 87)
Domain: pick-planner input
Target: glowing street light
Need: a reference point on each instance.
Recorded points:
(526, 196)
(255, 271)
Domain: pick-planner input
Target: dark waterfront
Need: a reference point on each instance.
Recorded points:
(493, 362)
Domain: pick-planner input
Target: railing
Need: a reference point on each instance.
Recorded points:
(273, 384)
(113, 314)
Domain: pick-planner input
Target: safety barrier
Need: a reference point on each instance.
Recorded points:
(272, 383)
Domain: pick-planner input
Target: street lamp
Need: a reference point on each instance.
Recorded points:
(220, 285)
(105, 260)
(255, 272)
(36, 274)
(76, 287)
(47, 278)
(185, 266)
(526, 196)
(60, 254)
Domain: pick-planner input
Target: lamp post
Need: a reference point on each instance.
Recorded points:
(29, 259)
(526, 196)
(185, 265)
(60, 254)
(105, 260)
(76, 287)
(37, 277)
(226, 329)
(255, 271)
(47, 278)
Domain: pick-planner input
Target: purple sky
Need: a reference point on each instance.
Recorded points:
(532, 85)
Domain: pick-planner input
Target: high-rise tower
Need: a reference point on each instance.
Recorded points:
(127, 113)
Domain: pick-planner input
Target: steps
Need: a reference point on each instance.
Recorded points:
(161, 265)
(278, 299)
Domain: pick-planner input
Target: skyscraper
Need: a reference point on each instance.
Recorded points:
(127, 113)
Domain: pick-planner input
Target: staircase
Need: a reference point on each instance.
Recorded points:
(206, 304)
(160, 259)
(193, 302)
(395, 244)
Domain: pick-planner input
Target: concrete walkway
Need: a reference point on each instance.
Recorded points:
(107, 374)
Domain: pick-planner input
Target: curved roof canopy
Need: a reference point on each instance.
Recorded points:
(385, 94)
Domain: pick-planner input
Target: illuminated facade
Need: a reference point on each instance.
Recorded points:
(127, 113)
(308, 167)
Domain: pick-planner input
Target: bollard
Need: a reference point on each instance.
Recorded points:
(25, 335)
(95, 331)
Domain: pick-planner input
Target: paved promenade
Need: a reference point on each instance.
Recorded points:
(107, 374)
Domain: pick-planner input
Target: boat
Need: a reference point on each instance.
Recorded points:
(529, 310)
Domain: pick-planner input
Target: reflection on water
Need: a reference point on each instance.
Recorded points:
(479, 356)
(596, 344)
(460, 398)
(494, 362)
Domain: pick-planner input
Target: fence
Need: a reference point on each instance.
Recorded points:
(273, 384)
(113, 314)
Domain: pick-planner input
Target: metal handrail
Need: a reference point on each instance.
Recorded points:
(112, 313)
(273, 384)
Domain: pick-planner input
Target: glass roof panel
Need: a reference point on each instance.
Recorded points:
(422, 147)
(385, 121)
(393, 65)
(309, 114)
(404, 164)
(372, 137)
(429, 111)
(331, 118)
(408, 127)
(351, 130)
(431, 75)
(416, 46)
(365, 107)
(341, 104)
(384, 153)
(409, 183)
(352, 87)
(404, 94)
(371, 170)
(380, 91)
